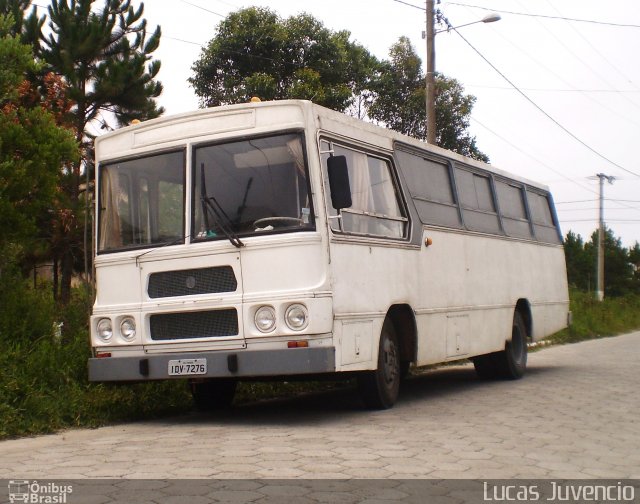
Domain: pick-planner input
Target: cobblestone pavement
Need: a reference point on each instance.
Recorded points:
(576, 414)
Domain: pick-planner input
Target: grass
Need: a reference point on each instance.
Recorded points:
(595, 319)
(44, 387)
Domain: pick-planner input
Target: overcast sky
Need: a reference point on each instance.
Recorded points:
(584, 75)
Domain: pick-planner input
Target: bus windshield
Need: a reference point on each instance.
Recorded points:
(250, 186)
(141, 202)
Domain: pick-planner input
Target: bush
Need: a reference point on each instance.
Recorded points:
(44, 385)
(594, 319)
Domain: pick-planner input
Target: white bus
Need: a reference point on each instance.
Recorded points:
(284, 239)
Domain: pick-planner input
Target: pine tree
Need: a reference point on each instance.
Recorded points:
(103, 53)
(32, 147)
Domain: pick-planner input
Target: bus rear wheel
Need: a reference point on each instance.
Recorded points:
(213, 395)
(379, 389)
(510, 363)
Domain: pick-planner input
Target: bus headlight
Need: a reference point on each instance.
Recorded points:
(104, 329)
(297, 317)
(265, 319)
(128, 329)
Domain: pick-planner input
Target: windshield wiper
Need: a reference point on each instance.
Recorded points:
(210, 206)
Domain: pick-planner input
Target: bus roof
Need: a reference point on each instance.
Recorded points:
(327, 120)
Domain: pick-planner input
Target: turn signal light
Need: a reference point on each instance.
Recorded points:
(100, 355)
(297, 344)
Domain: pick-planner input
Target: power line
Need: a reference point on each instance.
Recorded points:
(544, 112)
(531, 156)
(562, 18)
(410, 5)
(204, 9)
(596, 50)
(556, 90)
(181, 40)
(595, 219)
(615, 200)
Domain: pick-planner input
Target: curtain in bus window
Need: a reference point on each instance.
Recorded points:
(295, 149)
(361, 195)
(110, 235)
(375, 208)
(373, 193)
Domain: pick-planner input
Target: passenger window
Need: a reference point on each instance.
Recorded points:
(540, 212)
(376, 209)
(542, 217)
(430, 186)
(477, 203)
(514, 215)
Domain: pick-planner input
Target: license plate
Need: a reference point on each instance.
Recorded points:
(187, 367)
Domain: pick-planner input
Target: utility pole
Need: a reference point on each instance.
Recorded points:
(431, 75)
(600, 276)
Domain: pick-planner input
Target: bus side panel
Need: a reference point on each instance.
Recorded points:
(463, 289)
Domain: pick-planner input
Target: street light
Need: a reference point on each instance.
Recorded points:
(431, 64)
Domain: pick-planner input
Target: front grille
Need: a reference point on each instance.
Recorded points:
(192, 281)
(202, 324)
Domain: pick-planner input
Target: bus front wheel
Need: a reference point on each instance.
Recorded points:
(379, 389)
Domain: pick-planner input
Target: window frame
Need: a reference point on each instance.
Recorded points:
(555, 225)
(312, 227)
(388, 159)
(99, 202)
(449, 166)
(492, 193)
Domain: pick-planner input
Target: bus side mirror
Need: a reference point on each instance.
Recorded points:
(339, 182)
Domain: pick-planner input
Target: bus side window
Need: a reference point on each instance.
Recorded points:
(512, 208)
(430, 186)
(375, 208)
(542, 217)
(477, 202)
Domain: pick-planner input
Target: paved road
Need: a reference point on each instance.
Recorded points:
(575, 415)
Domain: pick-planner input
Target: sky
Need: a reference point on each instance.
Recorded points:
(557, 83)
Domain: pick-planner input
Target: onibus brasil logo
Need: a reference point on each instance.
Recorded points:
(38, 493)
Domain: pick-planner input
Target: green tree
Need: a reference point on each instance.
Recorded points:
(399, 102)
(257, 53)
(634, 258)
(32, 147)
(104, 56)
(29, 28)
(618, 270)
(580, 271)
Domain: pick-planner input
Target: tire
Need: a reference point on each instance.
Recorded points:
(379, 389)
(213, 394)
(510, 363)
(513, 361)
(486, 366)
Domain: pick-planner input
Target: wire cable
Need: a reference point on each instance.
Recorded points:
(562, 18)
(544, 112)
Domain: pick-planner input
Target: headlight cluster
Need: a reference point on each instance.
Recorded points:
(104, 329)
(296, 317)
